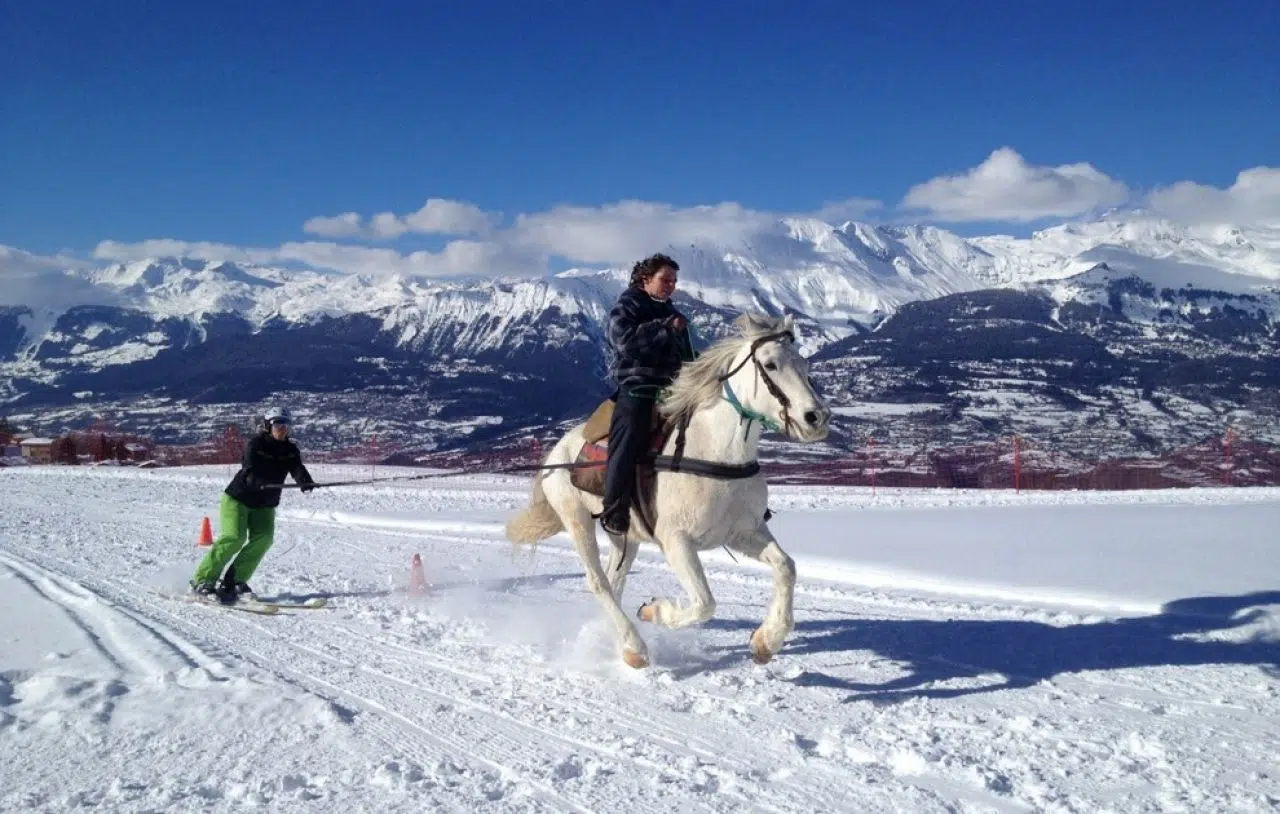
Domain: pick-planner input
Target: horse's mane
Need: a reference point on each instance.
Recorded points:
(698, 382)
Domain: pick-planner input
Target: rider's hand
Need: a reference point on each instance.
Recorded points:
(677, 323)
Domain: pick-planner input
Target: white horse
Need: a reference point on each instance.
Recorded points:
(727, 396)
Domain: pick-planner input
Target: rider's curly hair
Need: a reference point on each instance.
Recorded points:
(651, 265)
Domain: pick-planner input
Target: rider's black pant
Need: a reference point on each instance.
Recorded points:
(630, 433)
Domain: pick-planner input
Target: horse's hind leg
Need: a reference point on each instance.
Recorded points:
(684, 560)
(582, 530)
(767, 639)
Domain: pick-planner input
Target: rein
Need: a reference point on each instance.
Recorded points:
(508, 470)
(670, 463)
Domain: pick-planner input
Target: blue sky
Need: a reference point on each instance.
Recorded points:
(236, 123)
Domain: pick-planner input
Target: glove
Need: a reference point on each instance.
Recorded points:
(306, 487)
(677, 323)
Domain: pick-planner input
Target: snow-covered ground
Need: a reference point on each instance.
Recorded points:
(954, 651)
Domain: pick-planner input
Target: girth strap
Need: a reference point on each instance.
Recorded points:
(707, 469)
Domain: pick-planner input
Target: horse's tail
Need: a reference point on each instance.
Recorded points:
(537, 521)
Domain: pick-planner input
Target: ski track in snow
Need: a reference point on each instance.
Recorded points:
(500, 689)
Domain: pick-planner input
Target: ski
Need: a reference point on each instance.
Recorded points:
(212, 602)
(252, 605)
(315, 603)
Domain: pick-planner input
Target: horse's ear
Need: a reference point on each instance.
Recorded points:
(789, 323)
(749, 324)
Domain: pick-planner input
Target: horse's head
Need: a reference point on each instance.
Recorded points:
(770, 378)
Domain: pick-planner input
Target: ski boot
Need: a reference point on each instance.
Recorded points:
(208, 590)
(235, 591)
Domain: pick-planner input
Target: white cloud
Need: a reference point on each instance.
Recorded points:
(1003, 188)
(613, 234)
(458, 258)
(345, 225)
(444, 217)
(838, 212)
(49, 280)
(617, 234)
(342, 257)
(1253, 200)
(116, 252)
(1007, 188)
(438, 216)
(16, 261)
(386, 224)
(315, 254)
(624, 232)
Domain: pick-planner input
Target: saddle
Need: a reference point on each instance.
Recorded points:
(594, 455)
(589, 472)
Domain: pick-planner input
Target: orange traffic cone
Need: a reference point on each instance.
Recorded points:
(206, 533)
(417, 579)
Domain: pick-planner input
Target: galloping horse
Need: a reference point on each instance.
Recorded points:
(709, 492)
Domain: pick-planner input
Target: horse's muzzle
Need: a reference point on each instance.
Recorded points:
(814, 425)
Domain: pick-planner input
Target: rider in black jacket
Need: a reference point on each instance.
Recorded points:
(650, 340)
(247, 516)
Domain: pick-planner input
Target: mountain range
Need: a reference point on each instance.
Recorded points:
(1119, 336)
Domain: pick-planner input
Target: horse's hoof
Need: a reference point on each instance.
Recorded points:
(635, 659)
(759, 653)
(647, 612)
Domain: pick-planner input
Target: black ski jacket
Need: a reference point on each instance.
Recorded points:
(266, 461)
(646, 350)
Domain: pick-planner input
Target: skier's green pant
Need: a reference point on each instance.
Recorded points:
(235, 521)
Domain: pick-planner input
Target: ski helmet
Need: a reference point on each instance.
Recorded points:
(277, 415)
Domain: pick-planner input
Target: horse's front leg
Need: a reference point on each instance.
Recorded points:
(767, 640)
(684, 560)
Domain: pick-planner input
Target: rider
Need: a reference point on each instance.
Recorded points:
(248, 510)
(650, 340)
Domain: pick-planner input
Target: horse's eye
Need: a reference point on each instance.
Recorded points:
(770, 366)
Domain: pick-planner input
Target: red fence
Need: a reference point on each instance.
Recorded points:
(1017, 463)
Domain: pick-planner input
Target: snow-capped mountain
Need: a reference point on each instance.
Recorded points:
(446, 361)
(1064, 250)
(841, 276)
(1098, 365)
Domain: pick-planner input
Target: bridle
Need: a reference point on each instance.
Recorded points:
(750, 416)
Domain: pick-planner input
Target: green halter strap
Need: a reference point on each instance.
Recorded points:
(749, 415)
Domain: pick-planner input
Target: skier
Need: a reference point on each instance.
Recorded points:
(248, 510)
(650, 341)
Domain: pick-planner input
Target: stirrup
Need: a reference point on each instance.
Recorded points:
(612, 530)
